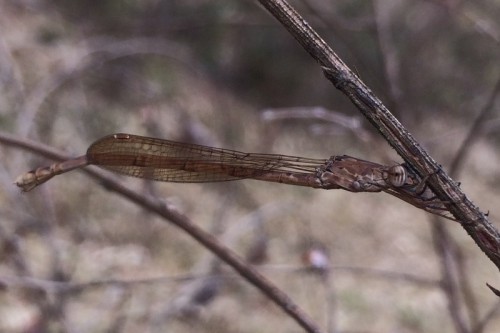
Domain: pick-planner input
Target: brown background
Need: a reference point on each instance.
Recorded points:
(206, 72)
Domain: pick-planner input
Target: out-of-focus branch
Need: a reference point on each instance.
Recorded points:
(474, 131)
(100, 50)
(173, 216)
(452, 271)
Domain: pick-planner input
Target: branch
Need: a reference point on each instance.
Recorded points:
(172, 215)
(453, 271)
(471, 218)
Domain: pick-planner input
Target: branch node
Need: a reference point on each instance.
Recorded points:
(339, 79)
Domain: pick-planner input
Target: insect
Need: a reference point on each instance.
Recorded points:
(171, 161)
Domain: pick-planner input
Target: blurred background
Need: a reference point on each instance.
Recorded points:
(75, 257)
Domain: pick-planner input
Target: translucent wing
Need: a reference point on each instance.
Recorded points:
(171, 161)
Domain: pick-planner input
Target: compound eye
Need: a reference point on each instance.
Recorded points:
(396, 175)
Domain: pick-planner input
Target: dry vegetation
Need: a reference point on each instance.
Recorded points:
(78, 258)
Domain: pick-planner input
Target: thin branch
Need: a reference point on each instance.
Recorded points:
(68, 287)
(312, 113)
(172, 215)
(446, 252)
(343, 78)
(452, 270)
(474, 131)
(389, 54)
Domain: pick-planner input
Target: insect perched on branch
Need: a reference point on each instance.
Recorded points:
(170, 161)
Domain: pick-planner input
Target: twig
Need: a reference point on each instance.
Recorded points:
(168, 213)
(389, 275)
(452, 270)
(474, 131)
(389, 54)
(68, 287)
(471, 218)
(446, 252)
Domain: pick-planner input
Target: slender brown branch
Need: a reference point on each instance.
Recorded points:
(51, 286)
(453, 271)
(472, 219)
(173, 216)
(388, 275)
(474, 131)
(446, 251)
